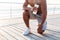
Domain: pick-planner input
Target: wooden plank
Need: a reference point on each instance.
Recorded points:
(36, 37)
(48, 36)
(5, 35)
(16, 31)
(21, 34)
(12, 34)
(2, 37)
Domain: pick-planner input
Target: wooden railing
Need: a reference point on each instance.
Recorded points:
(15, 9)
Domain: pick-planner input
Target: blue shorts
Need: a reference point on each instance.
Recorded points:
(38, 17)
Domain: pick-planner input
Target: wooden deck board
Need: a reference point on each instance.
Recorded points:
(15, 31)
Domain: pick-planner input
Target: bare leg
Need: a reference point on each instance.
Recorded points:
(26, 18)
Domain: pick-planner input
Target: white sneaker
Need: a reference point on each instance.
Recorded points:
(26, 32)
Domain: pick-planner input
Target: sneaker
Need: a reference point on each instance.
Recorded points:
(26, 32)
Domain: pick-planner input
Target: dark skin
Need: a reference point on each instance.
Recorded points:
(42, 9)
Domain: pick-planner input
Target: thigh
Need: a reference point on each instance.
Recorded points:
(39, 20)
(26, 14)
(45, 25)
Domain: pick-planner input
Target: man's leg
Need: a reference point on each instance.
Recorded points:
(26, 20)
(43, 28)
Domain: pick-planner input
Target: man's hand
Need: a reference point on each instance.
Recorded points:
(34, 9)
(40, 28)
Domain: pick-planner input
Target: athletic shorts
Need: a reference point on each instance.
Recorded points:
(38, 17)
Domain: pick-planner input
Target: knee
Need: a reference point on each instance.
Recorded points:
(25, 13)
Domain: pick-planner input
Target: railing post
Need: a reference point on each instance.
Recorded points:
(10, 11)
(54, 10)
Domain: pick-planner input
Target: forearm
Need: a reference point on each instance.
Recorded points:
(44, 16)
(44, 11)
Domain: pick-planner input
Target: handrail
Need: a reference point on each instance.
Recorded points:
(22, 3)
(12, 2)
(11, 9)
